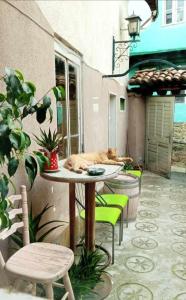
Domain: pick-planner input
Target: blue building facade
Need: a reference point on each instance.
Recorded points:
(165, 38)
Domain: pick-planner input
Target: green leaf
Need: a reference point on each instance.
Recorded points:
(4, 186)
(59, 93)
(9, 71)
(3, 129)
(2, 97)
(22, 140)
(16, 111)
(41, 114)
(18, 240)
(48, 231)
(31, 86)
(50, 222)
(19, 75)
(31, 168)
(51, 114)
(15, 140)
(46, 101)
(41, 159)
(38, 217)
(12, 166)
(27, 140)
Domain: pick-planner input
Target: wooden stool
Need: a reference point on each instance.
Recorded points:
(38, 262)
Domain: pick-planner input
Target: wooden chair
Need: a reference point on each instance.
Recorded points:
(42, 263)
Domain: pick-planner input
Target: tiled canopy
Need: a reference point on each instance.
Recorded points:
(153, 77)
(160, 81)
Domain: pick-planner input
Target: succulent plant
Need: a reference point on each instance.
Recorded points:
(48, 141)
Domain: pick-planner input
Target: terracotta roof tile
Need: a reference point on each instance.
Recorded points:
(164, 77)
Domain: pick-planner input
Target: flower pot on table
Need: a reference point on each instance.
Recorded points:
(53, 165)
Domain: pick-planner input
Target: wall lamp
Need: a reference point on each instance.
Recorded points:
(119, 48)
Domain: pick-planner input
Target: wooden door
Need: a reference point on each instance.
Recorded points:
(159, 133)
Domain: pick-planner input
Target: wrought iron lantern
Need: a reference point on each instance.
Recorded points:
(120, 47)
(134, 25)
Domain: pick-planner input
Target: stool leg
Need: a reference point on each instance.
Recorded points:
(113, 234)
(68, 287)
(49, 291)
(127, 219)
(121, 227)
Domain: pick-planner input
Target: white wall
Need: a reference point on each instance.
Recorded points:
(89, 27)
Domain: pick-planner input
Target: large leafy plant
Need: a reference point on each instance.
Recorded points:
(16, 104)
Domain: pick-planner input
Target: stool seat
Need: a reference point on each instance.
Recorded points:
(136, 173)
(41, 262)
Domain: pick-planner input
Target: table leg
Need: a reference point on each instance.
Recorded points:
(72, 214)
(90, 215)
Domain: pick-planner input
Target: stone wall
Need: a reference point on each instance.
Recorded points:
(179, 145)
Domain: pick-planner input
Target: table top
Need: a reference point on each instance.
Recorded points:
(64, 175)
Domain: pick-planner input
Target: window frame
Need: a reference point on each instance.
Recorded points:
(174, 13)
(71, 58)
(122, 97)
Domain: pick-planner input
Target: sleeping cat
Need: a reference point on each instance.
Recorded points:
(80, 162)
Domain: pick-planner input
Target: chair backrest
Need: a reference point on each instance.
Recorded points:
(16, 224)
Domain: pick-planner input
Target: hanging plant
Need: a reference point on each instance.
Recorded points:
(16, 104)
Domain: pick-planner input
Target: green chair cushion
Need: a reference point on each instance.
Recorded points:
(105, 214)
(113, 199)
(136, 173)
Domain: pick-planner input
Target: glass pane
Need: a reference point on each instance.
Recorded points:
(168, 18)
(180, 3)
(61, 107)
(73, 100)
(168, 5)
(74, 144)
(180, 15)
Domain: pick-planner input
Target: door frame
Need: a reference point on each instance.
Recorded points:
(115, 96)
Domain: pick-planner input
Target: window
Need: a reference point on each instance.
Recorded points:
(174, 11)
(122, 104)
(67, 76)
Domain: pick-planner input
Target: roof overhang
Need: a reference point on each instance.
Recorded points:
(153, 4)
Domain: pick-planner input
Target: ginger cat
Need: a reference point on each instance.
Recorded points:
(80, 162)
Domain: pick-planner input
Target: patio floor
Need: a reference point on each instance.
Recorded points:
(151, 262)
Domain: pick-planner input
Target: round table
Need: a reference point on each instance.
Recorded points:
(64, 175)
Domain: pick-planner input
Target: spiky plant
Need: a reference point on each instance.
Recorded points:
(84, 274)
(35, 228)
(48, 141)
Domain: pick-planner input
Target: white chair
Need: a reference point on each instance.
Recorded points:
(42, 263)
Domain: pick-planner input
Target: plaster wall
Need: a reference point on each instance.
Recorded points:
(27, 44)
(136, 127)
(89, 27)
(96, 93)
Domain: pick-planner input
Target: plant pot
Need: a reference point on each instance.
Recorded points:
(53, 159)
(102, 289)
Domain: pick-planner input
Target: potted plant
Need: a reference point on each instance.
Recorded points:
(16, 104)
(49, 142)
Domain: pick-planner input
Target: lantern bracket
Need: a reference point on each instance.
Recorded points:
(120, 51)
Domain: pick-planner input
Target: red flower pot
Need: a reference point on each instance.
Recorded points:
(53, 159)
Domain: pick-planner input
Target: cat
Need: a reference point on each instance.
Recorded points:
(80, 162)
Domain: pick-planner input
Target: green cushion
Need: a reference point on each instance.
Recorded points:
(136, 173)
(105, 214)
(113, 199)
